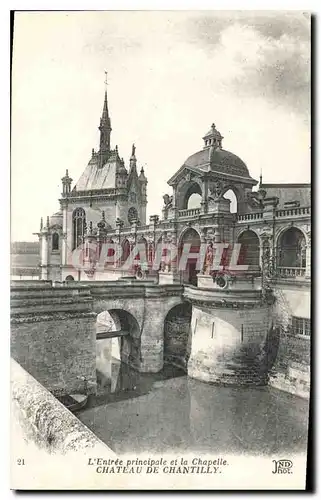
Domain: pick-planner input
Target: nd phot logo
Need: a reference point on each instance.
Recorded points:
(282, 466)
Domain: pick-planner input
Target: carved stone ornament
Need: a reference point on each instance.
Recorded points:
(168, 201)
(216, 190)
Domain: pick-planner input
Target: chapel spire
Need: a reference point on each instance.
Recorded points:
(105, 129)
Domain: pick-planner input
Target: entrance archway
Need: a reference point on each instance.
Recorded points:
(177, 326)
(117, 349)
(192, 238)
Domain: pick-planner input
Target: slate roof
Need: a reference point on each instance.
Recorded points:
(289, 192)
(97, 177)
(218, 160)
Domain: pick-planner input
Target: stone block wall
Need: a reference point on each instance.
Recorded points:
(228, 345)
(53, 337)
(291, 370)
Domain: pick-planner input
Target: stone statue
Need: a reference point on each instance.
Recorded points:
(216, 190)
(167, 200)
(209, 258)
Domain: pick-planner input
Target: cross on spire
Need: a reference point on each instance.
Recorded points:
(106, 73)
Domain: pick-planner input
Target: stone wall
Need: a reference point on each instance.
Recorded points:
(53, 337)
(228, 345)
(43, 420)
(291, 371)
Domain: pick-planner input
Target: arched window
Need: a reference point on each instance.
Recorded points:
(69, 278)
(126, 250)
(55, 241)
(78, 227)
(250, 249)
(292, 251)
(192, 238)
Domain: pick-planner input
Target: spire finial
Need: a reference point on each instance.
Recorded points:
(133, 149)
(105, 130)
(260, 178)
(41, 224)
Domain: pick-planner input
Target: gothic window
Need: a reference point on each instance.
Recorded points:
(132, 214)
(55, 241)
(78, 227)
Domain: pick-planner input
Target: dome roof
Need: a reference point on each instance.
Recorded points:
(218, 160)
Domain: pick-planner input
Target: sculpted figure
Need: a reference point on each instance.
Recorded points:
(217, 190)
(209, 258)
(167, 200)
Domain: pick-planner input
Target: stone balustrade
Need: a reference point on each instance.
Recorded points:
(189, 212)
(251, 216)
(291, 272)
(292, 212)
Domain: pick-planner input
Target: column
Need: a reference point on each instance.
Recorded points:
(204, 202)
(64, 237)
(308, 259)
(44, 256)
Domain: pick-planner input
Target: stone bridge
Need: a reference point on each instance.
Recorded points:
(54, 331)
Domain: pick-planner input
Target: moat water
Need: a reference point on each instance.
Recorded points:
(170, 412)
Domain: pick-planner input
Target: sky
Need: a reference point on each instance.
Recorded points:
(170, 76)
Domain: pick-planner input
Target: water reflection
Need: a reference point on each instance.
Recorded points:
(168, 411)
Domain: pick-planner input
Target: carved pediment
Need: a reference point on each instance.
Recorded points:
(184, 174)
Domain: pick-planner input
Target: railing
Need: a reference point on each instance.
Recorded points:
(252, 216)
(189, 212)
(284, 212)
(289, 212)
(286, 272)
